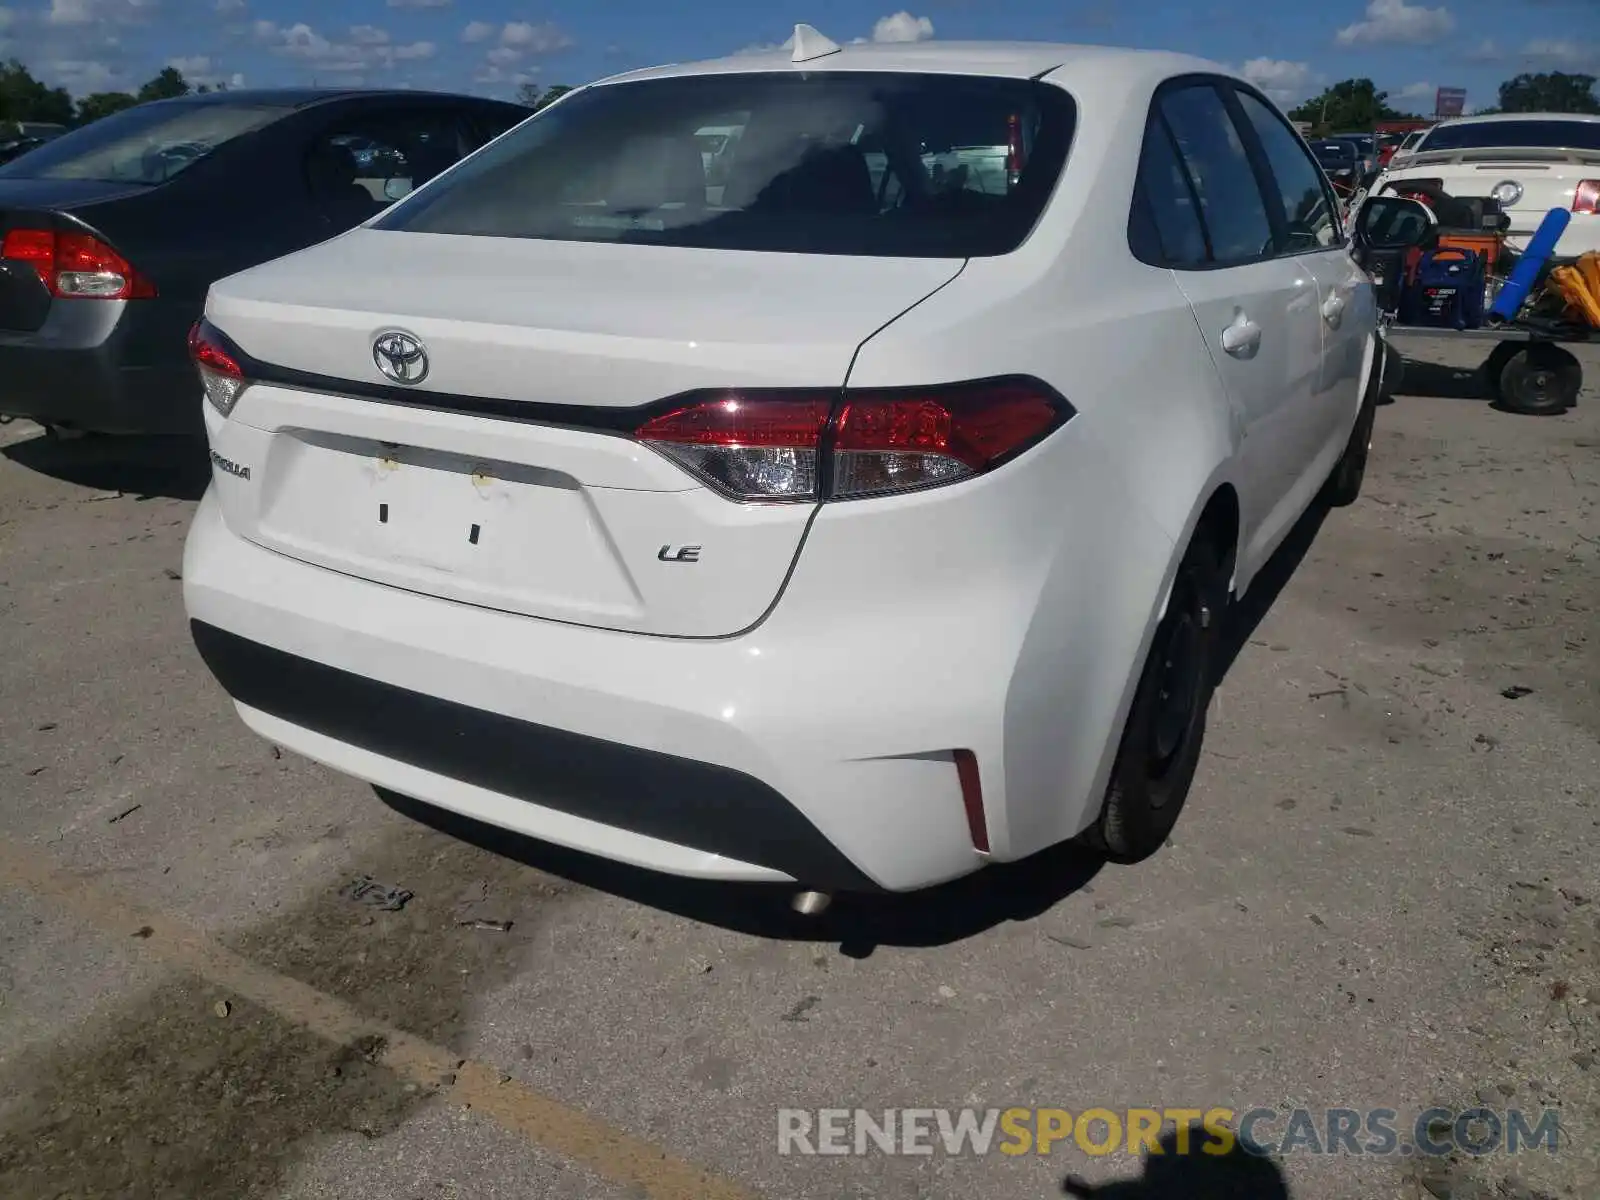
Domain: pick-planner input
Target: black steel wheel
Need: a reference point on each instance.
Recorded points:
(1161, 742)
(1539, 380)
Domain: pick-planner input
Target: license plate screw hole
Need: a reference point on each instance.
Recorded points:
(383, 514)
(472, 535)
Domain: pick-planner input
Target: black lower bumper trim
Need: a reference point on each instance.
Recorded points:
(679, 800)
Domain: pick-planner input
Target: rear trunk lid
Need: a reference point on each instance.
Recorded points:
(1546, 178)
(504, 476)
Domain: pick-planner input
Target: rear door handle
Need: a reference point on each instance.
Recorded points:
(1242, 338)
(1333, 310)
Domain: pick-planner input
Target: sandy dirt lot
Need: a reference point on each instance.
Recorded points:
(1384, 894)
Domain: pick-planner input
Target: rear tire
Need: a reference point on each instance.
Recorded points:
(1161, 742)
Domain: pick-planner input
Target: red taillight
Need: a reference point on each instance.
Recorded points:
(747, 445)
(1586, 196)
(220, 373)
(76, 266)
(893, 442)
(809, 446)
(1014, 162)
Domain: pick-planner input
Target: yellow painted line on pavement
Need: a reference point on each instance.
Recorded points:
(606, 1151)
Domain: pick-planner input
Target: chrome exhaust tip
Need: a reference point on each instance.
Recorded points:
(810, 904)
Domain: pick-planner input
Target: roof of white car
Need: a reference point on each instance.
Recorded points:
(1491, 118)
(1015, 60)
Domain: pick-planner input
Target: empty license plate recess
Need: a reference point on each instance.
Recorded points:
(511, 535)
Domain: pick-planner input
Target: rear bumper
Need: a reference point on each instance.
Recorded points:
(1581, 237)
(657, 797)
(729, 759)
(104, 366)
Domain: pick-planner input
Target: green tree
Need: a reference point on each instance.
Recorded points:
(168, 84)
(102, 104)
(1553, 91)
(530, 96)
(551, 96)
(1350, 106)
(24, 98)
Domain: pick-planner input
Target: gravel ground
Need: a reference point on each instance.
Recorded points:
(1383, 894)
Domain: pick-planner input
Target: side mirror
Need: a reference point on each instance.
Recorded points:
(396, 189)
(1392, 223)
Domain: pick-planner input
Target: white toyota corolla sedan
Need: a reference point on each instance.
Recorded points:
(851, 495)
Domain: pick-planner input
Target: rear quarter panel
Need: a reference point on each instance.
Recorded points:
(1107, 518)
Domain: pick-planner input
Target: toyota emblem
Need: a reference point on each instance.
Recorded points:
(400, 356)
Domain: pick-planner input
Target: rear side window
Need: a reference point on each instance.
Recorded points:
(1166, 201)
(149, 143)
(364, 163)
(1309, 221)
(1230, 198)
(892, 165)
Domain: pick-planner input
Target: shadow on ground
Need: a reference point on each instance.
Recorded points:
(1246, 615)
(860, 924)
(1446, 383)
(1195, 1175)
(146, 467)
(190, 1091)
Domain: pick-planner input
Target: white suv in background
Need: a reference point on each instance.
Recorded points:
(842, 526)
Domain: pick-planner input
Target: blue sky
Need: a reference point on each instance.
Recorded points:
(490, 46)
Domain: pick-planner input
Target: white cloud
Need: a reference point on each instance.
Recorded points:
(82, 77)
(477, 31)
(902, 27)
(1563, 54)
(1278, 78)
(503, 56)
(366, 49)
(1396, 21)
(1417, 91)
(192, 66)
(534, 39)
(1486, 51)
(97, 12)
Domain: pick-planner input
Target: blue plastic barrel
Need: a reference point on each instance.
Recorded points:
(1543, 244)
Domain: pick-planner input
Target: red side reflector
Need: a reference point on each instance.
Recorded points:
(972, 798)
(1586, 196)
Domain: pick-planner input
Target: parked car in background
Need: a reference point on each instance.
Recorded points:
(851, 528)
(111, 234)
(1339, 161)
(1529, 162)
(1405, 148)
(16, 147)
(1366, 146)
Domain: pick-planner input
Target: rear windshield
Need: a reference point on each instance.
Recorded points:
(1554, 135)
(149, 143)
(1334, 153)
(893, 165)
